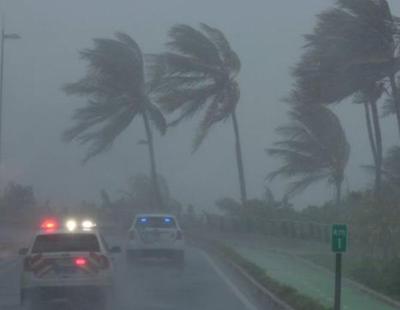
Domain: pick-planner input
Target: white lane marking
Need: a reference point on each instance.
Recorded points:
(245, 301)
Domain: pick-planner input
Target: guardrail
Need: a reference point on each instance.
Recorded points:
(305, 230)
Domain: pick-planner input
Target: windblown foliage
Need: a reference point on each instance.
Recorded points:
(116, 91)
(313, 148)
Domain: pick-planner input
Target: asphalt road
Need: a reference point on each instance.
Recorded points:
(155, 285)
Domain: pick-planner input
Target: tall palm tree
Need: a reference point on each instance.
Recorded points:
(117, 92)
(314, 147)
(200, 73)
(354, 50)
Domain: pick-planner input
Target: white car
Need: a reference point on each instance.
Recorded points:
(155, 235)
(66, 263)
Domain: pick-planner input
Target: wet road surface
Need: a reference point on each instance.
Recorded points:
(154, 285)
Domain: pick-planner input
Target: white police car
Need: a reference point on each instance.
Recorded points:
(155, 235)
(69, 263)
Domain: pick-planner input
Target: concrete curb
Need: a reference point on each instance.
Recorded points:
(244, 275)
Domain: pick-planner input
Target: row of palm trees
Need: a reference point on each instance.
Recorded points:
(353, 52)
(121, 83)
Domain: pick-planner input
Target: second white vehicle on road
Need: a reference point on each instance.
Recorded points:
(155, 235)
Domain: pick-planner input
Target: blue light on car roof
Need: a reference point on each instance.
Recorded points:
(167, 220)
(143, 220)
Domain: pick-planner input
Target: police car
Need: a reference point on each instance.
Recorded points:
(155, 235)
(69, 262)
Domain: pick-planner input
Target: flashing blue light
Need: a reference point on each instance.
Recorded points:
(143, 220)
(167, 220)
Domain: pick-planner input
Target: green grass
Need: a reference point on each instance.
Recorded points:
(283, 260)
(285, 292)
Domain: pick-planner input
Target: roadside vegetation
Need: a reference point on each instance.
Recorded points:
(286, 293)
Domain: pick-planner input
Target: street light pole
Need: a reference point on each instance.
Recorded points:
(1, 92)
(4, 37)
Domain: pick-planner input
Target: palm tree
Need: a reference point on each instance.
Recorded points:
(200, 73)
(353, 51)
(117, 92)
(314, 147)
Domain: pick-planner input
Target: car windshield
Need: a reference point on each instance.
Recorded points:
(66, 243)
(155, 222)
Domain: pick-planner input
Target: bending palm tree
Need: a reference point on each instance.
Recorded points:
(353, 50)
(200, 73)
(353, 46)
(116, 90)
(314, 147)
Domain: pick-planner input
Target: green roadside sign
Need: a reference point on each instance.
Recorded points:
(339, 238)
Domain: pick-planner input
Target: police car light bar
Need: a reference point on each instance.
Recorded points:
(88, 224)
(49, 224)
(71, 224)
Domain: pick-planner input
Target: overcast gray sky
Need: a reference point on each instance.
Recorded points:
(266, 34)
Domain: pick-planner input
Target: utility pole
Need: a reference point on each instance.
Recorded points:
(4, 37)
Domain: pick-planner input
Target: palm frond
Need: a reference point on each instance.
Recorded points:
(198, 74)
(313, 146)
(230, 58)
(208, 120)
(101, 140)
(114, 86)
(352, 47)
(192, 43)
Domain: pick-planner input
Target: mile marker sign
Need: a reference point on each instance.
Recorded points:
(339, 238)
(339, 246)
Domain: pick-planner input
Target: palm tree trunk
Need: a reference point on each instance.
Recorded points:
(370, 131)
(153, 168)
(396, 98)
(379, 149)
(338, 184)
(239, 159)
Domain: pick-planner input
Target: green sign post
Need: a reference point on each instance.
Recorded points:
(339, 246)
(339, 238)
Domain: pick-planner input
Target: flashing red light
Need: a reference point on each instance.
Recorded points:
(49, 224)
(80, 261)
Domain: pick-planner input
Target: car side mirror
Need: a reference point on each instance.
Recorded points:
(23, 251)
(115, 249)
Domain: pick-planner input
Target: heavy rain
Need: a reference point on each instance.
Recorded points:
(199, 155)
